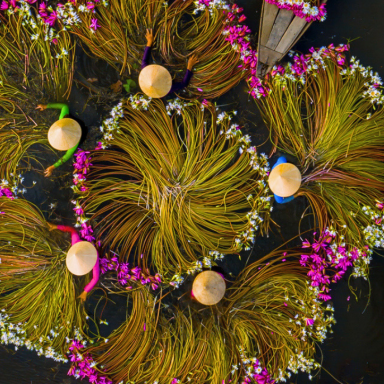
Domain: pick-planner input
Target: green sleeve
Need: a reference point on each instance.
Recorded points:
(64, 108)
(66, 157)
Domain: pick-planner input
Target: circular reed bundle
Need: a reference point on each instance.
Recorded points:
(120, 40)
(173, 188)
(269, 321)
(37, 292)
(26, 48)
(18, 131)
(219, 66)
(327, 119)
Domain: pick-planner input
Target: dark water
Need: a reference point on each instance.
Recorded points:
(354, 353)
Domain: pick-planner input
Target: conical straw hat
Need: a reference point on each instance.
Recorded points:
(208, 287)
(64, 134)
(284, 180)
(81, 258)
(155, 81)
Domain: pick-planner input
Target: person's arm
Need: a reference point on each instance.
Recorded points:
(64, 108)
(178, 86)
(93, 282)
(147, 50)
(74, 235)
(66, 157)
(95, 277)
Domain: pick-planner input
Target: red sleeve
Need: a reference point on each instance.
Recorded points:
(75, 236)
(95, 277)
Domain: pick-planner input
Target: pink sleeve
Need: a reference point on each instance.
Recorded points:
(95, 277)
(75, 236)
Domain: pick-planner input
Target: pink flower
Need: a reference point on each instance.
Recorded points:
(309, 322)
(4, 5)
(94, 24)
(51, 19)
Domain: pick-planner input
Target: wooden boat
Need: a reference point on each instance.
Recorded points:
(279, 31)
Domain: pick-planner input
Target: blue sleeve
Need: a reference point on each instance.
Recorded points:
(280, 160)
(283, 200)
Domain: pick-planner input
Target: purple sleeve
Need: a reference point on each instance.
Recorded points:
(176, 87)
(95, 277)
(75, 236)
(145, 61)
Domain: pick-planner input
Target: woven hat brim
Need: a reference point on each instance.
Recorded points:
(284, 180)
(208, 287)
(81, 258)
(155, 81)
(64, 134)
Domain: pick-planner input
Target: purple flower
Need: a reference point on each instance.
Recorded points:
(94, 24)
(4, 5)
(309, 322)
(51, 19)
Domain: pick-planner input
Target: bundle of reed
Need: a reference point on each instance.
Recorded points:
(44, 59)
(37, 292)
(120, 36)
(269, 321)
(329, 116)
(174, 188)
(186, 31)
(18, 131)
(179, 31)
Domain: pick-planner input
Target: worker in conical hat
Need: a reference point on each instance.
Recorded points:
(284, 181)
(155, 80)
(208, 287)
(64, 134)
(82, 258)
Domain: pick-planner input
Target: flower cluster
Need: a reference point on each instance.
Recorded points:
(176, 105)
(309, 63)
(329, 254)
(303, 9)
(83, 365)
(258, 163)
(374, 232)
(246, 239)
(238, 35)
(140, 102)
(11, 189)
(110, 126)
(11, 333)
(254, 372)
(82, 164)
(373, 81)
(312, 62)
(125, 274)
(207, 262)
(44, 18)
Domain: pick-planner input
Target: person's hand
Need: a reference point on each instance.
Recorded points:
(51, 226)
(192, 61)
(48, 171)
(41, 107)
(83, 296)
(149, 37)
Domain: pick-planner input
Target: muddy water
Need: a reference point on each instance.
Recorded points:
(354, 353)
